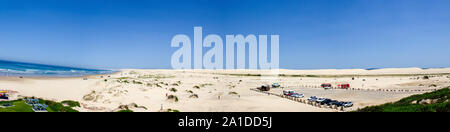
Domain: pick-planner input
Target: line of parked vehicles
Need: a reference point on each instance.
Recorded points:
(328, 101)
(292, 93)
(322, 101)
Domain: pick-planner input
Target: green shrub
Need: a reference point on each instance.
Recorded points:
(189, 91)
(406, 104)
(235, 93)
(126, 110)
(172, 110)
(137, 82)
(52, 106)
(175, 98)
(173, 89)
(71, 103)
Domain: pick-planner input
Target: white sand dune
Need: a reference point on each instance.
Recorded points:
(224, 90)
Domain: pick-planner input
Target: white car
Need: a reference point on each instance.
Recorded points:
(288, 92)
(347, 104)
(320, 100)
(297, 95)
(312, 98)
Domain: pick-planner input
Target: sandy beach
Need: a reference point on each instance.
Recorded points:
(226, 90)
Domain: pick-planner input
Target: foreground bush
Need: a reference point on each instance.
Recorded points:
(436, 101)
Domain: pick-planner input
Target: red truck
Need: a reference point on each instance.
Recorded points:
(344, 86)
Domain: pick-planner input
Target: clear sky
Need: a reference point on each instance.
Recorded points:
(313, 33)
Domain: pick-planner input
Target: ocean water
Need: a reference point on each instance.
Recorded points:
(10, 68)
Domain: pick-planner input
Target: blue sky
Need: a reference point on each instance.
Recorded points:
(314, 34)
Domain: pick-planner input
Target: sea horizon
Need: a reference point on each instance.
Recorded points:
(14, 68)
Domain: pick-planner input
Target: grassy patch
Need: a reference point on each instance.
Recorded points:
(172, 110)
(189, 91)
(126, 110)
(122, 78)
(18, 106)
(71, 103)
(137, 82)
(122, 81)
(173, 89)
(172, 97)
(202, 85)
(437, 102)
(52, 106)
(193, 96)
(233, 93)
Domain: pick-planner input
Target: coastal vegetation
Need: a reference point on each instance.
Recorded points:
(233, 93)
(436, 101)
(137, 82)
(172, 110)
(193, 96)
(126, 110)
(202, 85)
(173, 89)
(20, 105)
(15, 106)
(172, 97)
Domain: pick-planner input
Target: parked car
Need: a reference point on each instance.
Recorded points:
(326, 85)
(339, 104)
(319, 100)
(288, 92)
(312, 98)
(347, 104)
(275, 85)
(297, 95)
(332, 102)
(325, 101)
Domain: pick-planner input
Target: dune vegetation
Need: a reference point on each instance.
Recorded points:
(19, 105)
(436, 101)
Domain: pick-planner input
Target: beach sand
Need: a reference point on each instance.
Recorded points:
(225, 90)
